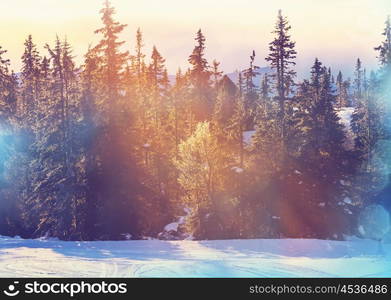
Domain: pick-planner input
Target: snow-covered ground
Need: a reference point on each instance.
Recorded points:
(345, 114)
(228, 258)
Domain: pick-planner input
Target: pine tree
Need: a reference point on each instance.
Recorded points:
(35, 89)
(180, 106)
(366, 126)
(160, 147)
(177, 129)
(274, 134)
(125, 201)
(237, 125)
(281, 58)
(139, 57)
(200, 76)
(265, 87)
(317, 72)
(8, 88)
(88, 210)
(113, 60)
(266, 103)
(323, 158)
(369, 124)
(358, 82)
(385, 49)
(51, 204)
(113, 172)
(235, 129)
(372, 129)
(250, 90)
(30, 77)
(343, 87)
(143, 95)
(216, 73)
(157, 73)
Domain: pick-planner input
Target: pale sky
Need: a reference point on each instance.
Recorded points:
(336, 31)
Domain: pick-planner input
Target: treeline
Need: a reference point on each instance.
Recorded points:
(114, 149)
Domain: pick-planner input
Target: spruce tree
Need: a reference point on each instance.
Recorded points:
(250, 90)
(216, 73)
(139, 55)
(30, 77)
(113, 177)
(200, 75)
(156, 74)
(265, 87)
(343, 95)
(56, 180)
(281, 58)
(358, 82)
(323, 157)
(160, 147)
(317, 72)
(113, 60)
(384, 50)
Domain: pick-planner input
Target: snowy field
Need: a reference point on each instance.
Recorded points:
(229, 258)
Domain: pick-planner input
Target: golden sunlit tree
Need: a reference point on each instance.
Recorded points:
(200, 167)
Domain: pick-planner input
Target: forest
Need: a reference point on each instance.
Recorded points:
(117, 148)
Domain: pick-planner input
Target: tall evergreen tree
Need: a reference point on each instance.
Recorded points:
(156, 73)
(8, 88)
(53, 201)
(265, 87)
(323, 157)
(281, 58)
(160, 147)
(342, 91)
(237, 126)
(384, 49)
(250, 90)
(317, 72)
(112, 59)
(30, 77)
(113, 171)
(200, 76)
(358, 82)
(216, 73)
(139, 55)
